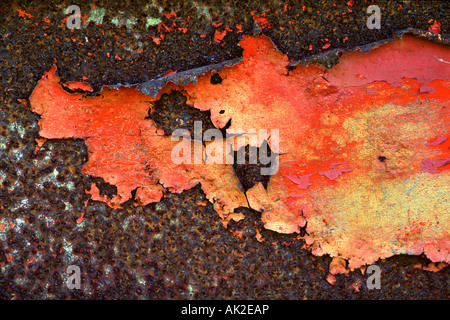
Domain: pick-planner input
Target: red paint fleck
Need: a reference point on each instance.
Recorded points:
(169, 15)
(22, 13)
(219, 35)
(170, 72)
(326, 46)
(302, 181)
(355, 286)
(259, 236)
(157, 40)
(80, 219)
(262, 22)
(435, 27)
(73, 85)
(331, 279)
(31, 260)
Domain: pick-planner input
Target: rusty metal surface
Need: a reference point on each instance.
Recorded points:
(175, 249)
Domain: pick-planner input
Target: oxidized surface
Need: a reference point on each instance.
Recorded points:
(175, 248)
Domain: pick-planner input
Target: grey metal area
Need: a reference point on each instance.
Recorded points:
(153, 87)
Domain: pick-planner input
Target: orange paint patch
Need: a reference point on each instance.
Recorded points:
(130, 155)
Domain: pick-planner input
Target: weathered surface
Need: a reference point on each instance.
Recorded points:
(177, 248)
(367, 178)
(126, 149)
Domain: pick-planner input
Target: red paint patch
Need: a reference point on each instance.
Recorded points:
(400, 59)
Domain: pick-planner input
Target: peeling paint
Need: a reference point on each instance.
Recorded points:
(361, 210)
